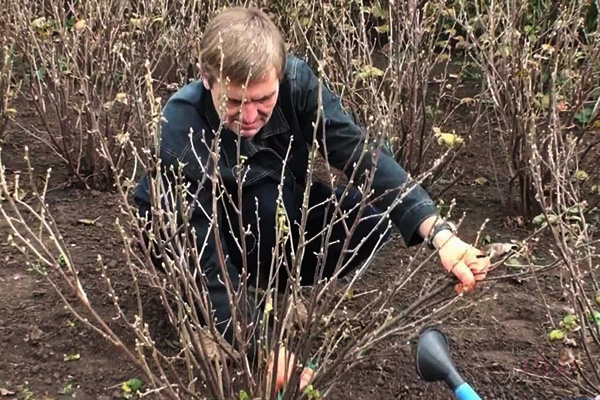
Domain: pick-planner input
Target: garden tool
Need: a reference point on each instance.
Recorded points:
(434, 364)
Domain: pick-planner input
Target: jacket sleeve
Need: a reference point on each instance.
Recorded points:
(345, 142)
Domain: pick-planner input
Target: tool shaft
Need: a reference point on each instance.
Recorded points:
(466, 392)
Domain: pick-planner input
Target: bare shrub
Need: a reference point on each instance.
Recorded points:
(95, 68)
(396, 58)
(541, 70)
(83, 61)
(7, 87)
(574, 225)
(534, 60)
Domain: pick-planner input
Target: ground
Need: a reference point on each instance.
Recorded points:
(496, 345)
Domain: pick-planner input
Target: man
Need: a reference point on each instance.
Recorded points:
(264, 105)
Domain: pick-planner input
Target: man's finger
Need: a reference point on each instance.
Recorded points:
(479, 267)
(465, 276)
(479, 276)
(306, 378)
(283, 370)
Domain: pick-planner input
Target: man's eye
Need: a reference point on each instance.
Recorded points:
(235, 103)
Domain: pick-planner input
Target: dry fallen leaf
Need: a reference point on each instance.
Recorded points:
(88, 222)
(481, 181)
(121, 98)
(38, 23)
(71, 357)
(570, 342)
(79, 25)
(497, 250)
(135, 22)
(34, 336)
(548, 47)
(213, 348)
(10, 112)
(6, 392)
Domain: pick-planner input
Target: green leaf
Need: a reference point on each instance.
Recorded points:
(305, 21)
(539, 220)
(593, 316)
(383, 28)
(379, 12)
(584, 116)
(40, 73)
(243, 395)
(68, 390)
(581, 176)
(450, 31)
(174, 344)
(447, 139)
(569, 322)
(131, 386)
(312, 393)
(545, 101)
(513, 262)
(487, 239)
(577, 209)
(62, 261)
(432, 112)
(70, 22)
(557, 334)
(268, 307)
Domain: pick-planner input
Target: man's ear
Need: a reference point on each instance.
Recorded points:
(205, 82)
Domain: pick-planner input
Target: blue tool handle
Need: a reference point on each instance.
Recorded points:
(466, 392)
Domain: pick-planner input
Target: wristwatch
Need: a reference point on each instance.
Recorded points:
(442, 226)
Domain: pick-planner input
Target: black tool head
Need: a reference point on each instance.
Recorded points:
(433, 359)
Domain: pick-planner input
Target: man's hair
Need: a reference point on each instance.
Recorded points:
(241, 41)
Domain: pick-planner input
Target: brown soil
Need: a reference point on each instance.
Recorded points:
(492, 343)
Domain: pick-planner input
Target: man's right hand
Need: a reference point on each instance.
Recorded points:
(466, 262)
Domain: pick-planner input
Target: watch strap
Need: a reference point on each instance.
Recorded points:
(442, 226)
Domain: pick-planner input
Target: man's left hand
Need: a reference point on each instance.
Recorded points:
(466, 262)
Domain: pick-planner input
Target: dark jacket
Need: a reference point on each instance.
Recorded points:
(191, 110)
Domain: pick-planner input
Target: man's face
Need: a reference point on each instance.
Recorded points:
(246, 110)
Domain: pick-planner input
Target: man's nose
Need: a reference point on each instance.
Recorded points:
(249, 113)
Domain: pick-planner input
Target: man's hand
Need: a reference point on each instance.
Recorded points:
(466, 262)
(284, 371)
